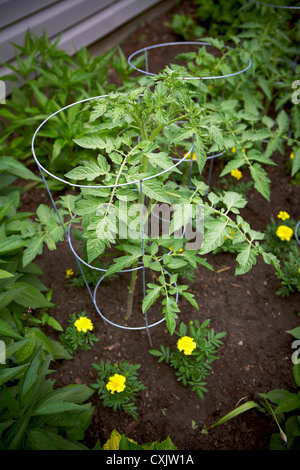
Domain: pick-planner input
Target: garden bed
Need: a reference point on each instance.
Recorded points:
(255, 356)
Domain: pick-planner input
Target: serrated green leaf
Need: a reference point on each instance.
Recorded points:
(283, 122)
(121, 263)
(170, 310)
(152, 295)
(88, 205)
(45, 214)
(160, 159)
(191, 298)
(232, 165)
(214, 235)
(154, 190)
(273, 145)
(88, 171)
(95, 248)
(296, 162)
(33, 248)
(246, 259)
(261, 180)
(176, 263)
(234, 200)
(91, 142)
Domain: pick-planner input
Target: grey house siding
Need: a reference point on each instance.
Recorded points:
(79, 22)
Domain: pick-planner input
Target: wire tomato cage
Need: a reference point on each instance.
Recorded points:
(297, 228)
(146, 50)
(285, 7)
(67, 232)
(288, 8)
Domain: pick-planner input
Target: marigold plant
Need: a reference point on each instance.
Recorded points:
(118, 385)
(193, 354)
(278, 238)
(289, 274)
(79, 333)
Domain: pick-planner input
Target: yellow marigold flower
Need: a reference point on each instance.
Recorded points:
(186, 344)
(236, 174)
(233, 150)
(116, 383)
(83, 324)
(175, 252)
(69, 273)
(284, 233)
(292, 155)
(193, 157)
(283, 215)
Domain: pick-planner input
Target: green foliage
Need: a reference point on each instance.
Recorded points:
(221, 17)
(192, 368)
(20, 284)
(26, 340)
(268, 36)
(72, 339)
(272, 242)
(289, 274)
(119, 441)
(124, 399)
(34, 416)
(135, 133)
(51, 79)
(185, 27)
(132, 134)
(288, 253)
(125, 139)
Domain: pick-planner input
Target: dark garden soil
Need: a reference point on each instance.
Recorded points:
(255, 356)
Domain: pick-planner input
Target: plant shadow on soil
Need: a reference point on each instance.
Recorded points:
(255, 356)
